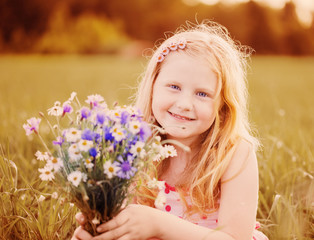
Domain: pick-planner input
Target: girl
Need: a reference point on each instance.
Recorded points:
(195, 88)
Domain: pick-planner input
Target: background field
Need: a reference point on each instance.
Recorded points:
(281, 108)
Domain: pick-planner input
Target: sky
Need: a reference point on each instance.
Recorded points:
(305, 8)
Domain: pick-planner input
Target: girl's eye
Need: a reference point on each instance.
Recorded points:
(202, 94)
(174, 87)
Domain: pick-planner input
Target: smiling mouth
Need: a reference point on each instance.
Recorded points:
(181, 117)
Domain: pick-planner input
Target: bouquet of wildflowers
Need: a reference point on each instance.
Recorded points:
(97, 154)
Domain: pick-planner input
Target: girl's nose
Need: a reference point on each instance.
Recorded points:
(184, 103)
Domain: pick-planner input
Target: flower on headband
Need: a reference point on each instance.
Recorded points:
(182, 44)
(165, 51)
(160, 57)
(172, 47)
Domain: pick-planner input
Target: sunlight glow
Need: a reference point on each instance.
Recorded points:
(304, 8)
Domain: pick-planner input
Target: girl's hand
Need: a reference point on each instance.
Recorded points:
(80, 233)
(134, 222)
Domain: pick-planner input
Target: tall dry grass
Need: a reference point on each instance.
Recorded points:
(280, 106)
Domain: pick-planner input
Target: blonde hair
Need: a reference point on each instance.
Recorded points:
(210, 42)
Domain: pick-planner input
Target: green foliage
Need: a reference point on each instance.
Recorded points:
(280, 105)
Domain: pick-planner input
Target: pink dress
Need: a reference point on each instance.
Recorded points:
(175, 206)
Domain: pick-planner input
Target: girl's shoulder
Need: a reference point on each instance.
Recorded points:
(242, 158)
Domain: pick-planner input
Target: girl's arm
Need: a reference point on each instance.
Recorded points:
(239, 194)
(237, 210)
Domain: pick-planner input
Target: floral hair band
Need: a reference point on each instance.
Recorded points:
(181, 44)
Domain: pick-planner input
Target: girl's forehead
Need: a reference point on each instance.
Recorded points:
(180, 67)
(185, 62)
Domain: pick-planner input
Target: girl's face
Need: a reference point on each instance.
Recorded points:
(183, 97)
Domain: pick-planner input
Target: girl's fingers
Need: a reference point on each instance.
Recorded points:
(81, 234)
(117, 233)
(114, 223)
(80, 218)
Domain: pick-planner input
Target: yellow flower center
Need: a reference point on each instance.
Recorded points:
(111, 169)
(54, 160)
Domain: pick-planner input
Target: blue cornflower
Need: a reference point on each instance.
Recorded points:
(107, 134)
(97, 137)
(93, 152)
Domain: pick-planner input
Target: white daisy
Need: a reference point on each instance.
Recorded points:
(55, 111)
(55, 163)
(138, 150)
(42, 156)
(154, 183)
(46, 173)
(74, 152)
(156, 143)
(135, 127)
(157, 157)
(88, 163)
(118, 133)
(72, 135)
(160, 200)
(115, 114)
(110, 169)
(75, 178)
(85, 145)
(169, 151)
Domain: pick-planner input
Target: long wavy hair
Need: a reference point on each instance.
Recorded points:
(209, 42)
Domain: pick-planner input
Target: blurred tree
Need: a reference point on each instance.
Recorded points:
(21, 22)
(268, 31)
(260, 33)
(296, 40)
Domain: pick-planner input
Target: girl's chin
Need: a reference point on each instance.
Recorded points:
(183, 138)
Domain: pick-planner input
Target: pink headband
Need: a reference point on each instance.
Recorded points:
(181, 44)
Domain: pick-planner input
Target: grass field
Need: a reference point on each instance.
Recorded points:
(281, 108)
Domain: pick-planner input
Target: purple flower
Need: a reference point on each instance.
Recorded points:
(126, 170)
(66, 109)
(145, 131)
(58, 141)
(32, 125)
(93, 152)
(124, 117)
(100, 118)
(88, 134)
(85, 112)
